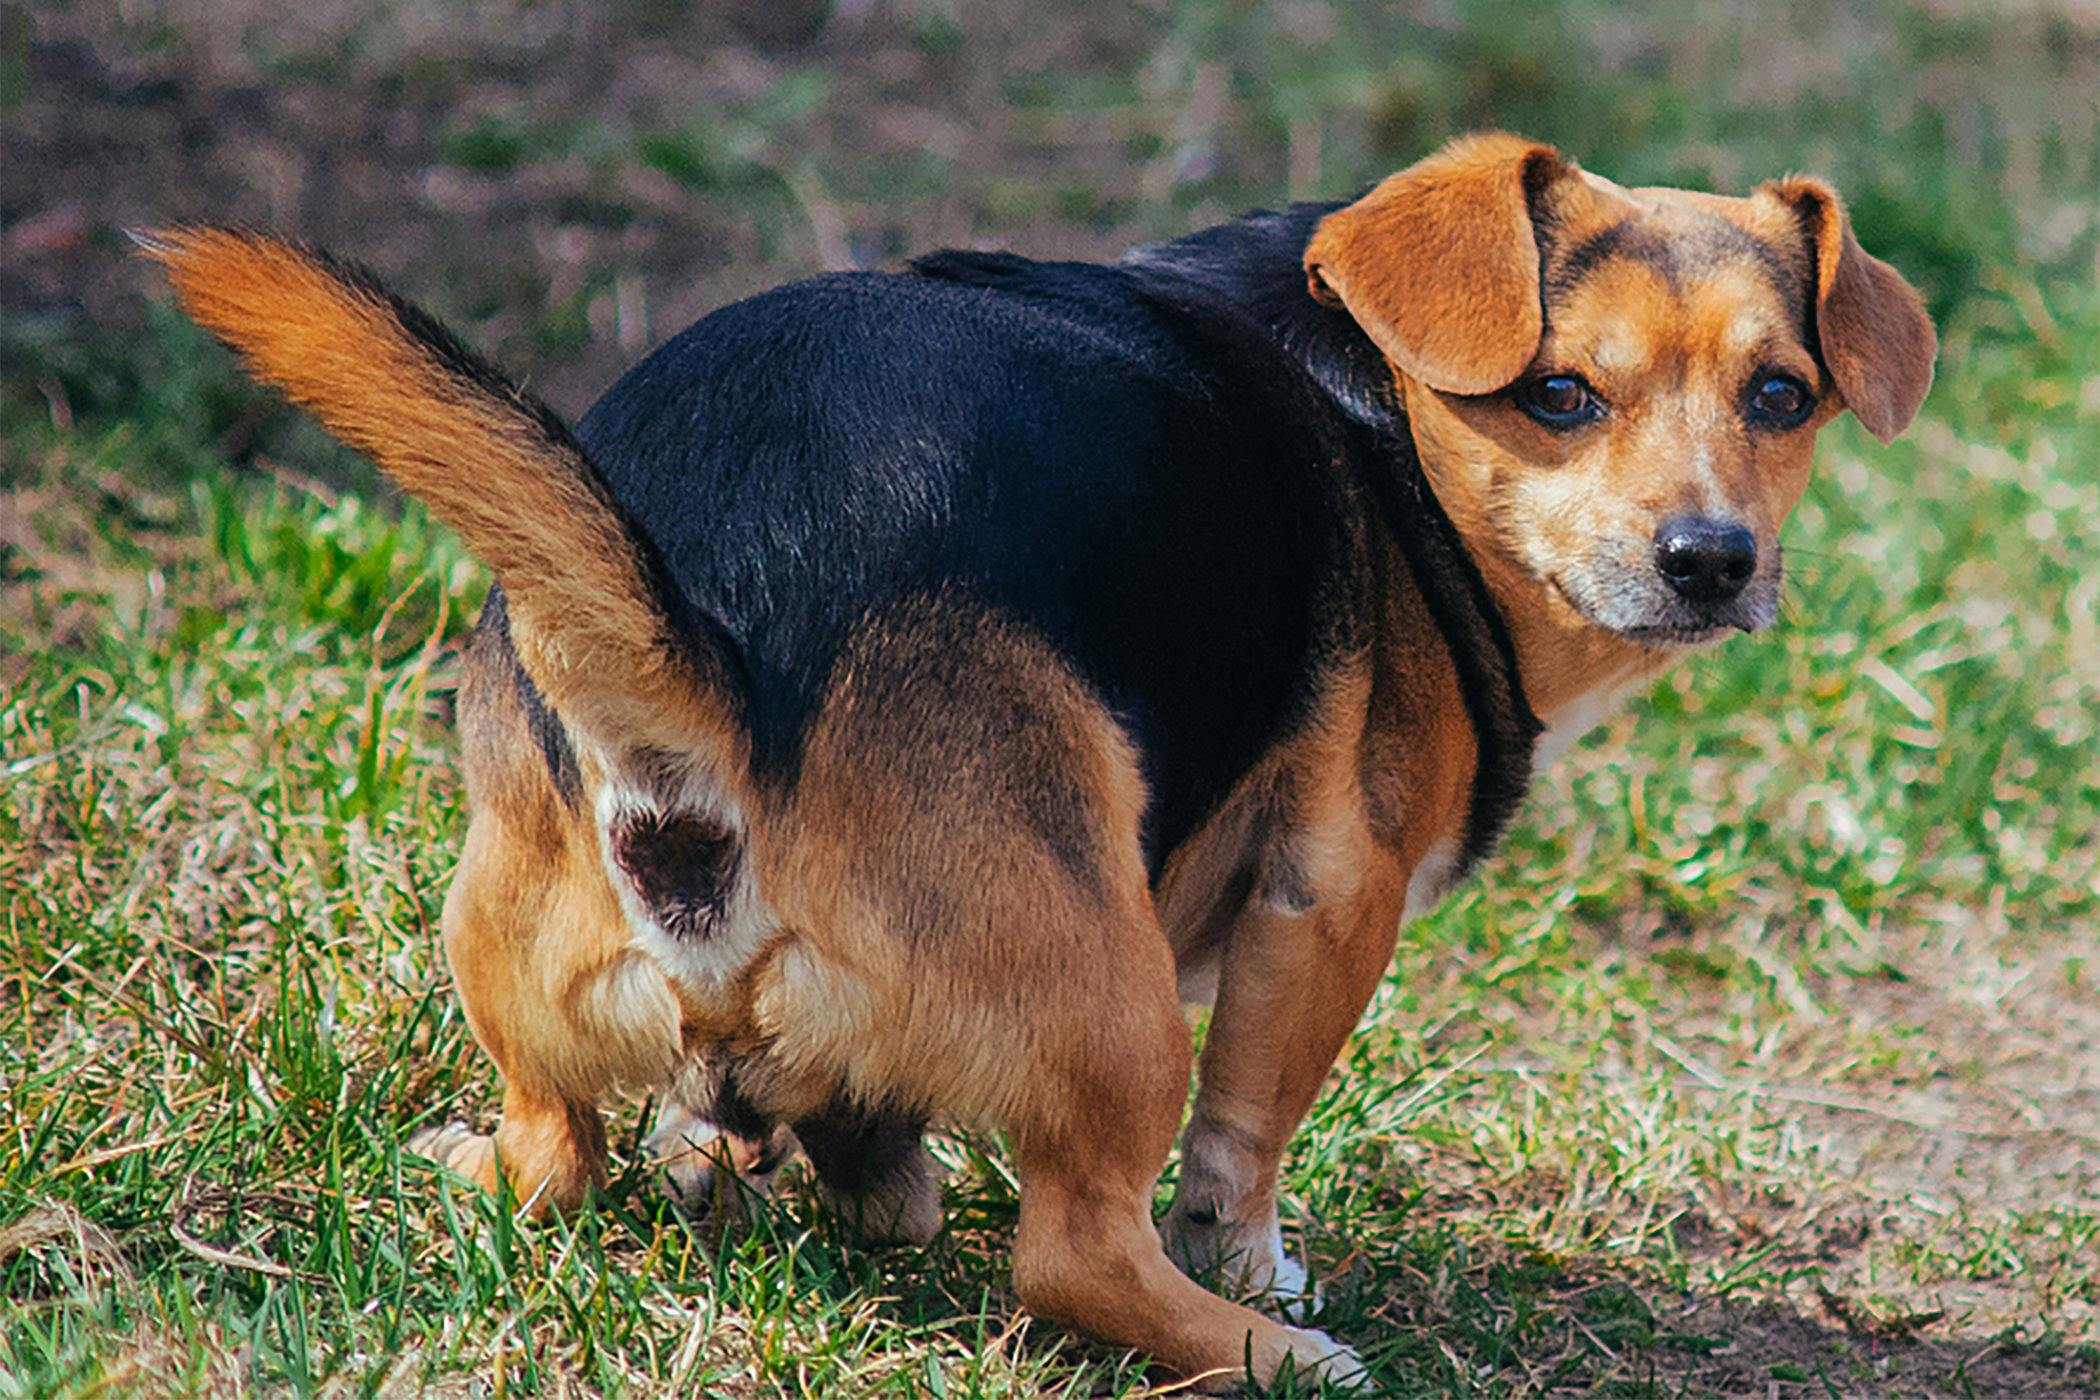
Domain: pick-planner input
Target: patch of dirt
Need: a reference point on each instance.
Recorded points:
(1766, 1349)
(567, 184)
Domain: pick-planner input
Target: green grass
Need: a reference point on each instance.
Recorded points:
(1764, 1055)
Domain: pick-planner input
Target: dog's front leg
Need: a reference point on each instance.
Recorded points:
(1290, 990)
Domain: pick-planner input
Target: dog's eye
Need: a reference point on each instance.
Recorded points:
(1781, 401)
(1559, 401)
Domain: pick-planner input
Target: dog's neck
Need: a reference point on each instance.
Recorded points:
(1257, 262)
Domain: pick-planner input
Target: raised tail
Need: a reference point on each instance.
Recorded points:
(596, 625)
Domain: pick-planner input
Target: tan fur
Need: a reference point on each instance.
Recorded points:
(1545, 513)
(1872, 326)
(475, 453)
(1439, 264)
(541, 953)
(946, 913)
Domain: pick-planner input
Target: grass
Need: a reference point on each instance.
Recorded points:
(1762, 1056)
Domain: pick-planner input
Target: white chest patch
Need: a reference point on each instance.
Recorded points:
(1578, 717)
(1431, 880)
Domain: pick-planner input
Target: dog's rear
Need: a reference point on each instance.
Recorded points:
(582, 627)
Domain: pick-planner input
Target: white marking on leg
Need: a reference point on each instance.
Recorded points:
(1213, 1225)
(1336, 1363)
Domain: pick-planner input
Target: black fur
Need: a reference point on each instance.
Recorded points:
(1630, 240)
(1164, 467)
(855, 1148)
(1505, 731)
(545, 727)
(1128, 467)
(1715, 238)
(684, 867)
(726, 1103)
(1255, 264)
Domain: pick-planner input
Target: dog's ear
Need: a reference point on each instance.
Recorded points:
(1871, 327)
(1440, 265)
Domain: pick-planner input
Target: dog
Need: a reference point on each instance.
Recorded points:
(904, 693)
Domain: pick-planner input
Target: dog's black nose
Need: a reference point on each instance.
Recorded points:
(1706, 561)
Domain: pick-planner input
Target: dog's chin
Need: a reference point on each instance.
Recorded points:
(1656, 618)
(1674, 635)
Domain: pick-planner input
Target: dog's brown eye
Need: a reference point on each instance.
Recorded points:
(1781, 401)
(1559, 401)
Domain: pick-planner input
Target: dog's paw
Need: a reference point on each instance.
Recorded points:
(1247, 1259)
(712, 1173)
(1314, 1354)
(457, 1148)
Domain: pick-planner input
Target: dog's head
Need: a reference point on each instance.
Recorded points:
(1616, 392)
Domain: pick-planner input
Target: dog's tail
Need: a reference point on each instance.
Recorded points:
(596, 624)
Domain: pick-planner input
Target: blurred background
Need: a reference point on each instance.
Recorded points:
(1764, 1060)
(570, 182)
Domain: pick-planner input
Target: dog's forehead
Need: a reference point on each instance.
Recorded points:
(1762, 216)
(1683, 240)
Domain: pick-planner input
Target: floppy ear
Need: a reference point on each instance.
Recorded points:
(1871, 327)
(1439, 263)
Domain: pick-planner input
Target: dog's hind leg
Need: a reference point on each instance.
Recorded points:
(553, 988)
(551, 1151)
(992, 954)
(565, 1009)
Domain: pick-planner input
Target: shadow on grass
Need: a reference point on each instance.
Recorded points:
(1430, 1311)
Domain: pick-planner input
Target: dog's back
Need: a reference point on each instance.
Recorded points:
(1112, 460)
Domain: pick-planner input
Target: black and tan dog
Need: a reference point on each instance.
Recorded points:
(904, 692)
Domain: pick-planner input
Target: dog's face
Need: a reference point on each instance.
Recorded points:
(1616, 392)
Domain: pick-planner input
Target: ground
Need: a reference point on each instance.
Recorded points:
(1765, 1059)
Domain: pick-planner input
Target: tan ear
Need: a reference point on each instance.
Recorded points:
(1439, 263)
(1871, 326)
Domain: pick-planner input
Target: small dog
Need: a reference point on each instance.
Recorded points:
(903, 693)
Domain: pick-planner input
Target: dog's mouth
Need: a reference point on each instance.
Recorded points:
(1644, 610)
